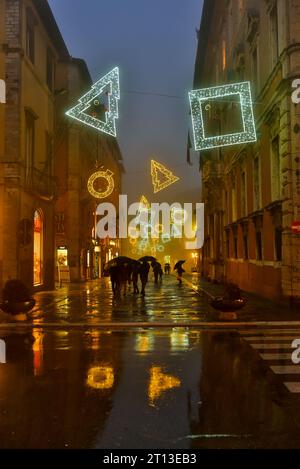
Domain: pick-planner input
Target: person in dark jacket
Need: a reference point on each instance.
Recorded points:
(156, 268)
(135, 277)
(180, 271)
(114, 273)
(144, 273)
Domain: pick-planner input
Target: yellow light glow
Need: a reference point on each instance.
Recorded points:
(160, 382)
(101, 377)
(159, 228)
(179, 216)
(38, 349)
(179, 340)
(133, 233)
(144, 343)
(161, 176)
(145, 202)
(108, 176)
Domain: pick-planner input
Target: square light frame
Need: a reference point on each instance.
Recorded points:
(196, 98)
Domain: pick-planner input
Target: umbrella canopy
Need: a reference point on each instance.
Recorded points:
(148, 259)
(119, 261)
(178, 264)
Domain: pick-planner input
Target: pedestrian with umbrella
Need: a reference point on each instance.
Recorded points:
(180, 270)
(155, 268)
(119, 270)
(135, 270)
(144, 273)
(148, 259)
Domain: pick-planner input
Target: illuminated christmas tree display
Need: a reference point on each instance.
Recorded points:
(161, 176)
(86, 111)
(199, 99)
(141, 240)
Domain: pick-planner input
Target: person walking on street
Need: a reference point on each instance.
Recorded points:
(135, 278)
(156, 268)
(144, 273)
(160, 273)
(180, 271)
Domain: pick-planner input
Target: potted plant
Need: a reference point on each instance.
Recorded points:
(16, 298)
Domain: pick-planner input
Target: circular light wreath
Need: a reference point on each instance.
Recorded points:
(108, 176)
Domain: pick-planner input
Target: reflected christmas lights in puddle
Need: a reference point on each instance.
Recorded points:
(179, 340)
(159, 383)
(37, 349)
(101, 377)
(144, 343)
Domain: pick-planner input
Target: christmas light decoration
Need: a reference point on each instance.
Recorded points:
(159, 383)
(78, 112)
(161, 176)
(199, 97)
(179, 216)
(108, 176)
(101, 377)
(144, 202)
(166, 238)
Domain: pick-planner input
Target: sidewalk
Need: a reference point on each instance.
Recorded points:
(257, 308)
(168, 304)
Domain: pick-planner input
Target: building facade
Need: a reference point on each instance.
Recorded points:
(251, 191)
(80, 152)
(31, 45)
(44, 160)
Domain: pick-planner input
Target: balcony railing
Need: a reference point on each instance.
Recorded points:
(40, 183)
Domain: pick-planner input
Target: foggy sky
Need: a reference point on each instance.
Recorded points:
(154, 44)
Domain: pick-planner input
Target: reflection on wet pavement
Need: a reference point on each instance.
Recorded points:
(163, 302)
(170, 388)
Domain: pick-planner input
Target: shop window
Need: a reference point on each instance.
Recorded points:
(38, 248)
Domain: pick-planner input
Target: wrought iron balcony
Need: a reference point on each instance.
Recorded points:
(40, 183)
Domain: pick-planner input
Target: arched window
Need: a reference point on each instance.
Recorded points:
(38, 248)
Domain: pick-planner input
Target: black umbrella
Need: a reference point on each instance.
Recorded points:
(148, 259)
(178, 264)
(119, 261)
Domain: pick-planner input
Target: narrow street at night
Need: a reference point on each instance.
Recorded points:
(87, 386)
(149, 231)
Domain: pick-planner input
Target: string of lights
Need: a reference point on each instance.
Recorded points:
(185, 98)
